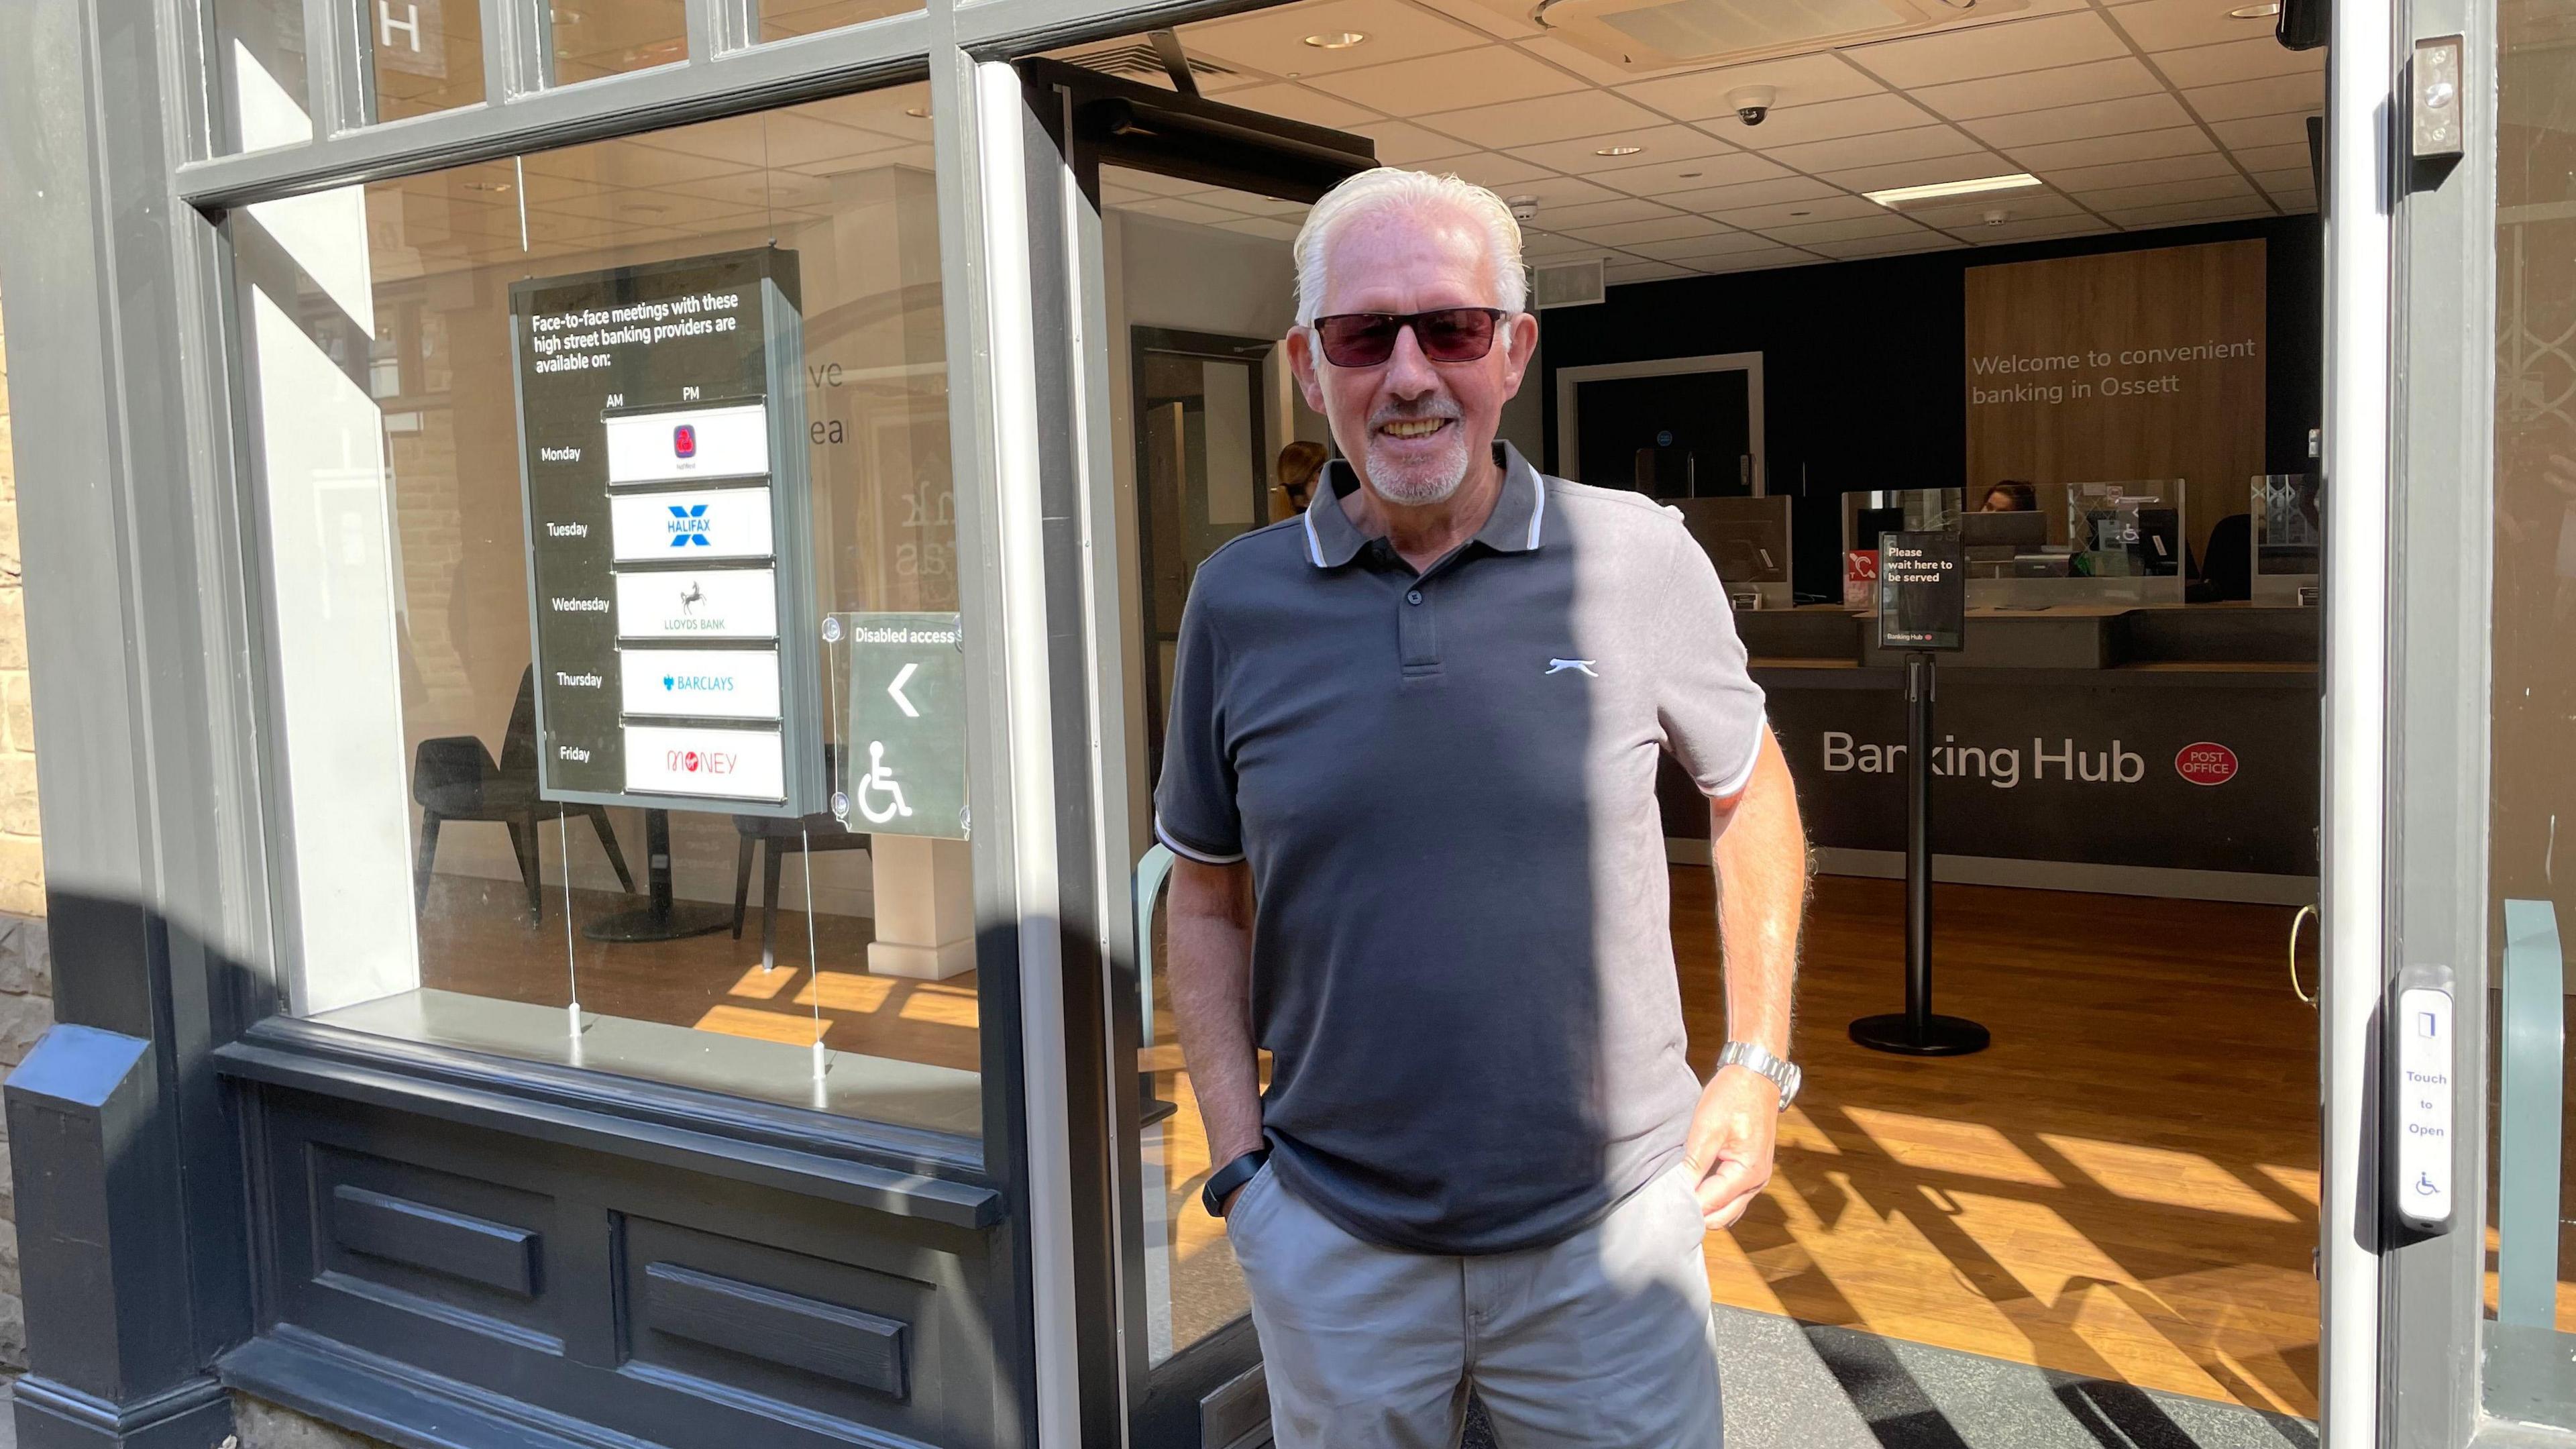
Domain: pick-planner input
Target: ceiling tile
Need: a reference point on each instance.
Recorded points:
(1654, 229)
(1887, 246)
(1274, 40)
(1556, 249)
(1402, 143)
(2269, 96)
(2281, 130)
(1808, 232)
(622, 163)
(1300, 104)
(1153, 183)
(1495, 73)
(1762, 260)
(1555, 193)
(1930, 172)
(1968, 214)
(1876, 150)
(2186, 212)
(1493, 169)
(2103, 150)
(2138, 173)
(1623, 272)
(2067, 123)
(1714, 199)
(1998, 49)
(1691, 249)
(2165, 193)
(1659, 145)
(1802, 80)
(1600, 213)
(1698, 173)
(2298, 179)
(1591, 67)
(887, 112)
(2069, 85)
(2209, 65)
(1858, 116)
(2170, 24)
(2040, 229)
(1263, 226)
(1173, 208)
(2273, 158)
(2295, 203)
(1530, 123)
(1790, 213)
(1500, 17)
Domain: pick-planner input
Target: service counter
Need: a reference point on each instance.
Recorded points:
(2161, 750)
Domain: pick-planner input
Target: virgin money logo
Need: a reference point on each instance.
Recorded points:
(710, 762)
(2206, 763)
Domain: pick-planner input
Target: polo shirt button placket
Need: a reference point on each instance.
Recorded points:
(1413, 596)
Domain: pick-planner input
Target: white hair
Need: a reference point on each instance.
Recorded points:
(1387, 188)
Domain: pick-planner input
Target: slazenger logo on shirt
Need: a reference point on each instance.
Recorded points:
(1579, 666)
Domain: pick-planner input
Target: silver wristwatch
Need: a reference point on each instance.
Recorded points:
(1782, 1074)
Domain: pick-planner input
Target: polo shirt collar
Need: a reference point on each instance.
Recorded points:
(1517, 524)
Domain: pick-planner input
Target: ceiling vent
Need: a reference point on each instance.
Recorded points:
(1571, 284)
(1653, 35)
(1139, 59)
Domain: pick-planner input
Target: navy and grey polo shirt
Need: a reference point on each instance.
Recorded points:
(1444, 782)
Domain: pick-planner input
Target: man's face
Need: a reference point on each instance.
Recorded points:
(1412, 426)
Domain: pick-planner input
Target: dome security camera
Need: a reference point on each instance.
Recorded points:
(1752, 104)
(1524, 209)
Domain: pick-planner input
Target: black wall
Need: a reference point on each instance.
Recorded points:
(1864, 364)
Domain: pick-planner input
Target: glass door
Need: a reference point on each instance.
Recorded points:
(1183, 211)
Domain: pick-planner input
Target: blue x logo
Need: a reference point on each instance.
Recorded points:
(689, 525)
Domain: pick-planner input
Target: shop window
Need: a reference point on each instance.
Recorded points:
(784, 19)
(612, 559)
(2531, 1267)
(258, 52)
(422, 55)
(593, 38)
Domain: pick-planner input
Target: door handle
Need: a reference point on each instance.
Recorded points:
(2296, 922)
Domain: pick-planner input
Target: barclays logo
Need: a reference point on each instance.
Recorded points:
(698, 683)
(689, 525)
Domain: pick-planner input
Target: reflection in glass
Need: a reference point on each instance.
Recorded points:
(259, 53)
(593, 38)
(2531, 1284)
(783, 957)
(782, 19)
(423, 55)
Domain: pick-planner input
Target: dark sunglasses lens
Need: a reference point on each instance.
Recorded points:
(1361, 339)
(1461, 334)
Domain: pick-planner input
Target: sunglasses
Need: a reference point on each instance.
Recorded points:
(1367, 339)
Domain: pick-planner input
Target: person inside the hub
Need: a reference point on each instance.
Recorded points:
(1410, 775)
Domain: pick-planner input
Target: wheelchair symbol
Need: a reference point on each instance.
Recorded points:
(880, 779)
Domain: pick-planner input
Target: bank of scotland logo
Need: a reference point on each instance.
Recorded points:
(689, 525)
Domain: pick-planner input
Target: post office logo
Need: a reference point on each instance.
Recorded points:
(2206, 763)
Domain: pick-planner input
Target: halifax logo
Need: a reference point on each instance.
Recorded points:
(689, 525)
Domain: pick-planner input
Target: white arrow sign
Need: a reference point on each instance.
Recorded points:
(896, 689)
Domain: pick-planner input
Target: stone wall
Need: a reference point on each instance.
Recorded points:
(26, 968)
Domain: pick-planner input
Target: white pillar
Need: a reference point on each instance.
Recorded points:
(925, 905)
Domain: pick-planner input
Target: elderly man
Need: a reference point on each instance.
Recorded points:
(1410, 771)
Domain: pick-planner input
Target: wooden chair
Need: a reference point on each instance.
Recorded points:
(784, 837)
(454, 778)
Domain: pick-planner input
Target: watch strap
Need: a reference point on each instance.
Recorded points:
(1753, 1056)
(1221, 1184)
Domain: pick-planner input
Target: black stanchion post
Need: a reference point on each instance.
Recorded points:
(1917, 1031)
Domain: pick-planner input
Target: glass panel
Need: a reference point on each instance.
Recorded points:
(782, 19)
(423, 55)
(259, 53)
(568, 460)
(2531, 1287)
(1209, 433)
(593, 38)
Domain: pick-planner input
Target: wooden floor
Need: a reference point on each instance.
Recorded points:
(2125, 1185)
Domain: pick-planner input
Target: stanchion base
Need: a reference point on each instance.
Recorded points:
(1948, 1036)
(647, 924)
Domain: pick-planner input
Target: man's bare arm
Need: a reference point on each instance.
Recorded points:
(1211, 980)
(1760, 851)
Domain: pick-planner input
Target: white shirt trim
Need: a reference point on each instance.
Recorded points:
(1201, 856)
(1744, 777)
(1538, 512)
(1314, 546)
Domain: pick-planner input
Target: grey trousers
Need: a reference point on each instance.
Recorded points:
(1602, 1340)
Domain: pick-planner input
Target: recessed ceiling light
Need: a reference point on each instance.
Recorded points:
(918, 113)
(1692, 175)
(1795, 214)
(487, 185)
(2254, 12)
(1618, 150)
(1336, 40)
(1899, 195)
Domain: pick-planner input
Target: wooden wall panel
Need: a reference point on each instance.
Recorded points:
(2121, 366)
